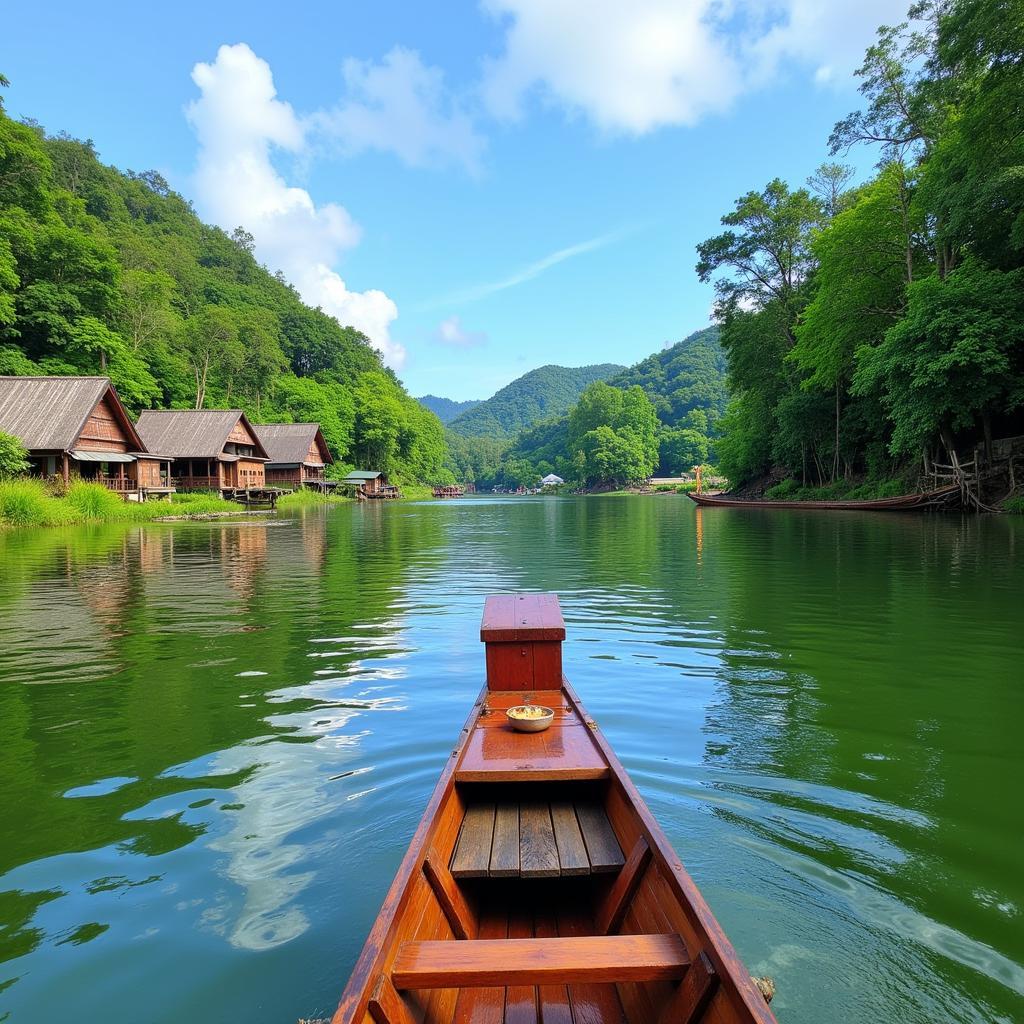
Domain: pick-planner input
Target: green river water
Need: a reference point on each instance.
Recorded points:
(216, 740)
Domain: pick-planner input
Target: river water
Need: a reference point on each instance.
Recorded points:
(216, 740)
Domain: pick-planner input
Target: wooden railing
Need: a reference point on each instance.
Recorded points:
(196, 483)
(117, 483)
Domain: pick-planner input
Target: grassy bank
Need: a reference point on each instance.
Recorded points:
(305, 498)
(30, 503)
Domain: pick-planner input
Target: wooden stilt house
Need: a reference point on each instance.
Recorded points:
(213, 449)
(77, 427)
(298, 455)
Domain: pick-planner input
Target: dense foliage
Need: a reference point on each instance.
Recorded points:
(868, 327)
(537, 395)
(446, 409)
(110, 272)
(13, 457)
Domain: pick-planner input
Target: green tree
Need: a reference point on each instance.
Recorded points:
(955, 359)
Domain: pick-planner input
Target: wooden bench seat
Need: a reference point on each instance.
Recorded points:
(493, 962)
(535, 839)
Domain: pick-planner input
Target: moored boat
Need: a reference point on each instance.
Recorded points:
(924, 499)
(538, 886)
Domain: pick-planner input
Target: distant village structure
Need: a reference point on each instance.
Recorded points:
(213, 449)
(79, 426)
(298, 455)
(369, 484)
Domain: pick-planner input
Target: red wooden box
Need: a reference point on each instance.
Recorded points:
(523, 634)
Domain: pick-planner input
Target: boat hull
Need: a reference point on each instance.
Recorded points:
(903, 502)
(616, 933)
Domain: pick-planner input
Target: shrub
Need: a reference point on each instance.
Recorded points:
(26, 503)
(94, 501)
(1015, 506)
(22, 503)
(13, 457)
(783, 490)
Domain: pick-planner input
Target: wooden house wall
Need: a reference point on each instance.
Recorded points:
(102, 431)
(148, 473)
(239, 435)
(285, 476)
(249, 474)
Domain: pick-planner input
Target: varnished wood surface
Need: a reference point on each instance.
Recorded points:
(533, 961)
(657, 898)
(563, 751)
(537, 851)
(515, 617)
(533, 838)
(736, 1000)
(472, 858)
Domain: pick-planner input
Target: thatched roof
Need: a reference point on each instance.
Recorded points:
(288, 444)
(48, 413)
(192, 433)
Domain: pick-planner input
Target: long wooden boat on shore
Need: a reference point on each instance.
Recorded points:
(538, 887)
(902, 502)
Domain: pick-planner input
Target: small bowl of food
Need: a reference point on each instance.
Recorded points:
(530, 717)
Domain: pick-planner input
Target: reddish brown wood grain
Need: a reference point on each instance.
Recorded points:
(589, 958)
(449, 896)
(611, 911)
(387, 1006)
(691, 998)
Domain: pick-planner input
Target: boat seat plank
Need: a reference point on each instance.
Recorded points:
(505, 847)
(535, 839)
(538, 852)
(602, 846)
(472, 855)
(488, 962)
(572, 851)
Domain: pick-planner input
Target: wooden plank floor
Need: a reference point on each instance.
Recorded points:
(535, 839)
(518, 910)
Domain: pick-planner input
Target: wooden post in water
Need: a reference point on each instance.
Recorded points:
(523, 635)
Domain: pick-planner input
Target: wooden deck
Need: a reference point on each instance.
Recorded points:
(532, 837)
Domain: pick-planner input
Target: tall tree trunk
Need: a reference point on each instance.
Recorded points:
(103, 360)
(835, 457)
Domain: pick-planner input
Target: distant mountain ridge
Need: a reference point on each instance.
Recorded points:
(446, 409)
(538, 395)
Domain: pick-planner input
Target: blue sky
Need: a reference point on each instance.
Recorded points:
(481, 187)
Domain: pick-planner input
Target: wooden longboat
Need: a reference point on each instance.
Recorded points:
(538, 887)
(902, 502)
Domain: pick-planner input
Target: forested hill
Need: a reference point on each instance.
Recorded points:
(103, 271)
(446, 409)
(683, 377)
(542, 393)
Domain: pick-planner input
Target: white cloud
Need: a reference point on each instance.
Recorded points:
(451, 332)
(634, 67)
(527, 273)
(238, 119)
(400, 105)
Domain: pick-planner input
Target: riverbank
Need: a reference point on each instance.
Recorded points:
(31, 503)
